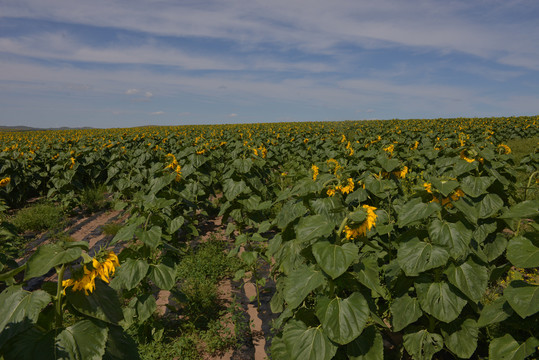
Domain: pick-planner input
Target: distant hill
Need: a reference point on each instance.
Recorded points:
(28, 128)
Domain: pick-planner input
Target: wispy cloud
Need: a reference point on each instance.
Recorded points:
(157, 113)
(316, 26)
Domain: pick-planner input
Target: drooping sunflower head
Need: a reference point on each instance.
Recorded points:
(5, 181)
(504, 149)
(315, 170)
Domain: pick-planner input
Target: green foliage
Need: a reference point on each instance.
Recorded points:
(33, 326)
(411, 228)
(38, 217)
(94, 198)
(111, 228)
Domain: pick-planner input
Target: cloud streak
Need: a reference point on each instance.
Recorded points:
(313, 25)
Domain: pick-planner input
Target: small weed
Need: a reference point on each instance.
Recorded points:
(61, 236)
(206, 325)
(39, 217)
(184, 347)
(111, 228)
(94, 199)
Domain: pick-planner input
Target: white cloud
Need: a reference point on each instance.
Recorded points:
(157, 113)
(148, 94)
(480, 28)
(232, 115)
(132, 91)
(59, 46)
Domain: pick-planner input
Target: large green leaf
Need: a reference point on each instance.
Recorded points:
(288, 256)
(300, 283)
(522, 252)
(460, 336)
(404, 311)
(312, 227)
(455, 237)
(307, 343)
(343, 319)
(475, 185)
(415, 210)
(290, 212)
(130, 274)
(83, 340)
(439, 299)
(163, 276)
(151, 237)
(158, 183)
(102, 303)
(242, 165)
(233, 188)
(278, 348)
(367, 272)
(489, 206)
(528, 208)
(19, 310)
(388, 164)
(416, 256)
(175, 224)
(495, 248)
(445, 187)
(482, 231)
(368, 346)
(523, 297)
(467, 208)
(126, 233)
(422, 345)
(120, 345)
(33, 344)
(497, 311)
(334, 259)
(507, 348)
(48, 256)
(331, 208)
(469, 277)
(145, 306)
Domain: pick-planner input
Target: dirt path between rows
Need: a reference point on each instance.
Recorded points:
(259, 318)
(255, 346)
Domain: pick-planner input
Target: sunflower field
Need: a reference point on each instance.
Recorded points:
(413, 239)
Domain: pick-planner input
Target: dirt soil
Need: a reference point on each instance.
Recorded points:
(259, 318)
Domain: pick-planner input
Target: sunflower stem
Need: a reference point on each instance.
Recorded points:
(59, 317)
(341, 229)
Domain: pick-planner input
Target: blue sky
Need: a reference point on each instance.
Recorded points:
(105, 63)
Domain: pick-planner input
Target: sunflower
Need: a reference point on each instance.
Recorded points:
(506, 149)
(315, 171)
(361, 230)
(103, 270)
(5, 181)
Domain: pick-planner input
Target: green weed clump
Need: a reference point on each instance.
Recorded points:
(111, 228)
(200, 272)
(203, 327)
(39, 217)
(94, 199)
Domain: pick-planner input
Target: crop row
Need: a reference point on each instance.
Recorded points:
(403, 232)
